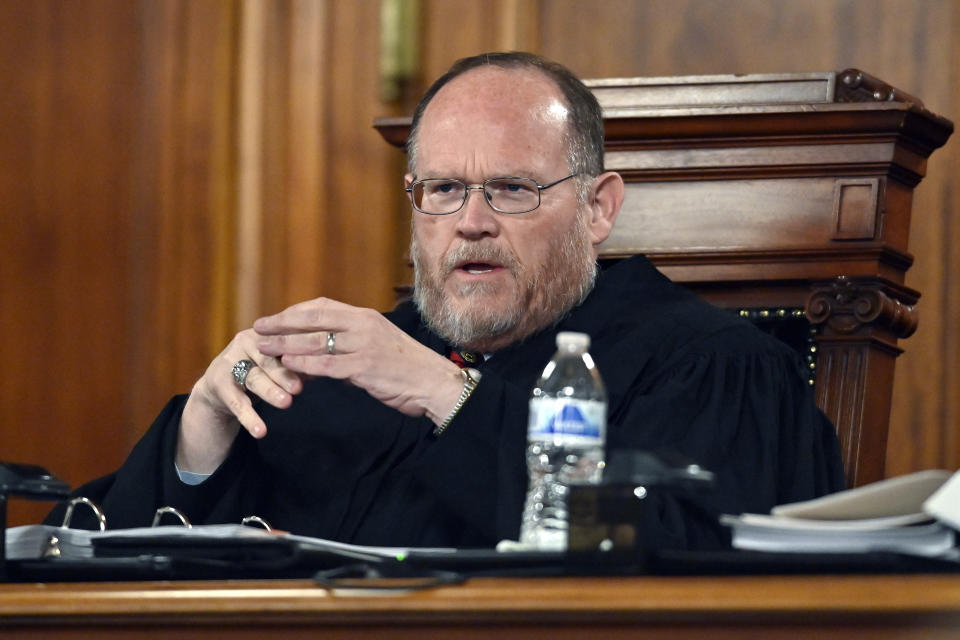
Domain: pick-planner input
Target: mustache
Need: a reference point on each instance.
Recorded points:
(481, 253)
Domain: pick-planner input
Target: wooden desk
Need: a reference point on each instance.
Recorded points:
(904, 606)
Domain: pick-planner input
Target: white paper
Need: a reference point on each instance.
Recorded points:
(944, 505)
(900, 496)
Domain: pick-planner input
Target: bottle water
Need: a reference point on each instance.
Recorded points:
(565, 440)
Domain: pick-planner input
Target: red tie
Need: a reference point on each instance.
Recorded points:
(464, 358)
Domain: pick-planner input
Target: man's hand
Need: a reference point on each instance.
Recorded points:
(218, 407)
(369, 352)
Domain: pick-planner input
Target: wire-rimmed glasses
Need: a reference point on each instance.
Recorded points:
(443, 196)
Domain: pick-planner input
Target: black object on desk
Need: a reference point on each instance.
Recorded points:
(27, 481)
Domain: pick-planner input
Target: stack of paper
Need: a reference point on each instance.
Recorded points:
(38, 541)
(911, 514)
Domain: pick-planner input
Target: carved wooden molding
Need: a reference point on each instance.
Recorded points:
(857, 86)
(845, 305)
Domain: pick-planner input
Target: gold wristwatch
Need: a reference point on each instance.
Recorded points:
(471, 378)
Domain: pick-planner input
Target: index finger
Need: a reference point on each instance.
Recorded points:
(320, 314)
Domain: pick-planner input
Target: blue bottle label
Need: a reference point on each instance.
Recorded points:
(567, 421)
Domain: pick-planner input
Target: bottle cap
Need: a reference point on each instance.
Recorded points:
(573, 341)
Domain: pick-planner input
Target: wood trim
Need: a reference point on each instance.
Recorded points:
(248, 249)
(898, 606)
(308, 157)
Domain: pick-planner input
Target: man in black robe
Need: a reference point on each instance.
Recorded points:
(356, 426)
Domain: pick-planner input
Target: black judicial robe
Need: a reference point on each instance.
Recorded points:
(681, 375)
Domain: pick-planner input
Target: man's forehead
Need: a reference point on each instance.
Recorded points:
(513, 95)
(515, 117)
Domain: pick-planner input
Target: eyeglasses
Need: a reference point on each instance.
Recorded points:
(443, 196)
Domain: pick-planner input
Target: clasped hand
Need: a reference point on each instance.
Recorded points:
(369, 352)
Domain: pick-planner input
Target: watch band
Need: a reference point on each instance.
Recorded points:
(471, 377)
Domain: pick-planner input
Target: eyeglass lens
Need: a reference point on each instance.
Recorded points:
(509, 195)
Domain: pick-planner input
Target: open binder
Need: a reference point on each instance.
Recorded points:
(240, 551)
(249, 549)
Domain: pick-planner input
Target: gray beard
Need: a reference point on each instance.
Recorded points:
(545, 293)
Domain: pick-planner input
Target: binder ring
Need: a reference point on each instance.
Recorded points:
(97, 511)
(257, 520)
(165, 510)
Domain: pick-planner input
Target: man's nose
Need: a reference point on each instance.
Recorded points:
(477, 217)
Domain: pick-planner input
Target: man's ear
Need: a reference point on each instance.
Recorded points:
(606, 198)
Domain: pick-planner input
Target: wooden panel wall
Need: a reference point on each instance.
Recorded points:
(170, 169)
(116, 205)
(321, 213)
(66, 221)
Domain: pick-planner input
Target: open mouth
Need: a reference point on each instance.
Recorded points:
(478, 268)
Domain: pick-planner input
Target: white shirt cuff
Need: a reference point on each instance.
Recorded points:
(189, 477)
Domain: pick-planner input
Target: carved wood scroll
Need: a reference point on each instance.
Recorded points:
(860, 321)
(847, 304)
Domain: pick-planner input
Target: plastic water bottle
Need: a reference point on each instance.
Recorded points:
(565, 440)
